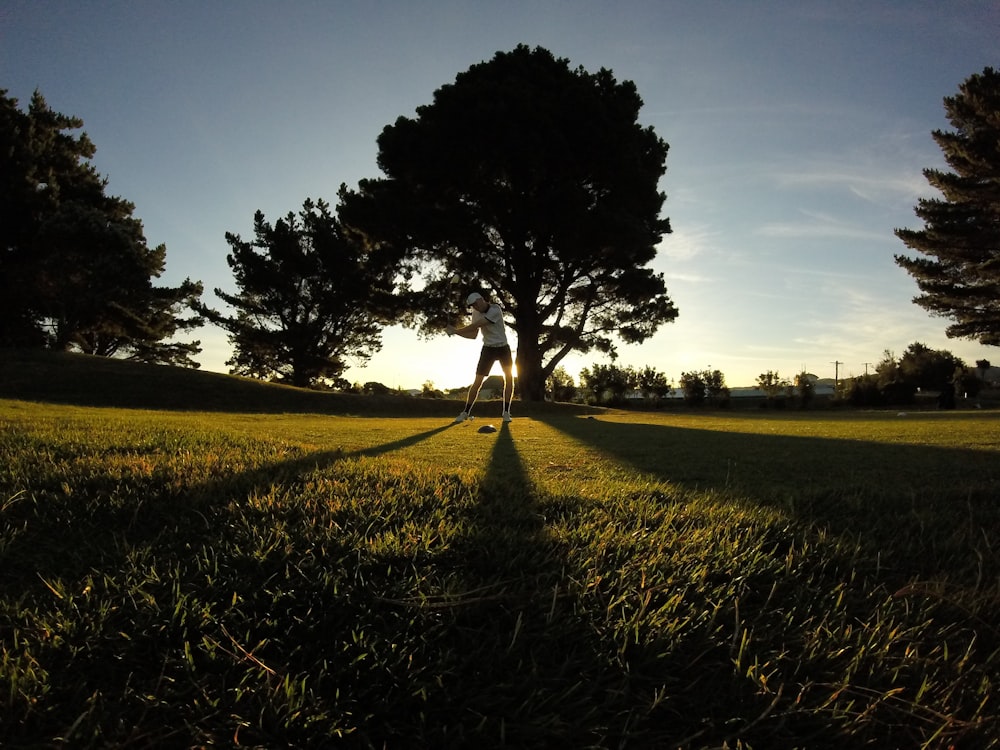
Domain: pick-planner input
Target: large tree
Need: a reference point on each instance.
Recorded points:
(920, 366)
(532, 181)
(308, 299)
(959, 273)
(94, 285)
(929, 368)
(75, 269)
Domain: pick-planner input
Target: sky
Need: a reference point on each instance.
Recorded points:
(798, 133)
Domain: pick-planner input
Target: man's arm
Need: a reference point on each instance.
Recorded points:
(470, 331)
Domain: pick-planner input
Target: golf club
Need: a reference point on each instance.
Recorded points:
(451, 284)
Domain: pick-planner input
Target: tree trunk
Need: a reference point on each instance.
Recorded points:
(530, 375)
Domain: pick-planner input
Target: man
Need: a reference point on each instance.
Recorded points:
(488, 318)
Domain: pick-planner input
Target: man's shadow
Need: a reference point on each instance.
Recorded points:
(519, 620)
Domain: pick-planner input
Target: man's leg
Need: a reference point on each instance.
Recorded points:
(474, 392)
(508, 388)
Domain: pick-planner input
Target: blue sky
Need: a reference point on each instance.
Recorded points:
(798, 133)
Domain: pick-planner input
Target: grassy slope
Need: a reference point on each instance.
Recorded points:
(67, 378)
(178, 578)
(60, 377)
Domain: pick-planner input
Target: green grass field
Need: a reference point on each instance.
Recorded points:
(318, 571)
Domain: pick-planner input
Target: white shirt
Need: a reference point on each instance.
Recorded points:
(494, 333)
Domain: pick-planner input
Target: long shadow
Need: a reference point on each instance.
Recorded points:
(504, 527)
(544, 675)
(508, 651)
(914, 511)
(165, 544)
(396, 445)
(511, 649)
(99, 538)
(872, 491)
(767, 467)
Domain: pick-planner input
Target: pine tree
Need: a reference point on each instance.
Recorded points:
(75, 269)
(306, 299)
(959, 275)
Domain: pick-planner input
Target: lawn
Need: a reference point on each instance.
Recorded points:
(622, 580)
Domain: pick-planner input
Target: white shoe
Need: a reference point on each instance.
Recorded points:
(506, 416)
(461, 417)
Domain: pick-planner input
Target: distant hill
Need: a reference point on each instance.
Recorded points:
(67, 378)
(84, 380)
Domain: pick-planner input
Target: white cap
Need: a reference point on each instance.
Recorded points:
(472, 298)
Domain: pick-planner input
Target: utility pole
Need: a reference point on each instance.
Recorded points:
(836, 375)
(866, 368)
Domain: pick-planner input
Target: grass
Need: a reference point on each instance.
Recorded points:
(315, 572)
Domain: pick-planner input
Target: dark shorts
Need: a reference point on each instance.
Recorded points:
(491, 354)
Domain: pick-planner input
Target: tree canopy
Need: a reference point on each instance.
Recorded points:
(959, 273)
(701, 386)
(532, 181)
(921, 367)
(308, 299)
(75, 269)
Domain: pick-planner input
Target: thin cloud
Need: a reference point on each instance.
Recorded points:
(688, 278)
(687, 244)
(886, 170)
(867, 185)
(819, 229)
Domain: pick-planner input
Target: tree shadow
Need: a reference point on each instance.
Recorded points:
(396, 445)
(491, 643)
(768, 467)
(99, 529)
(878, 493)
